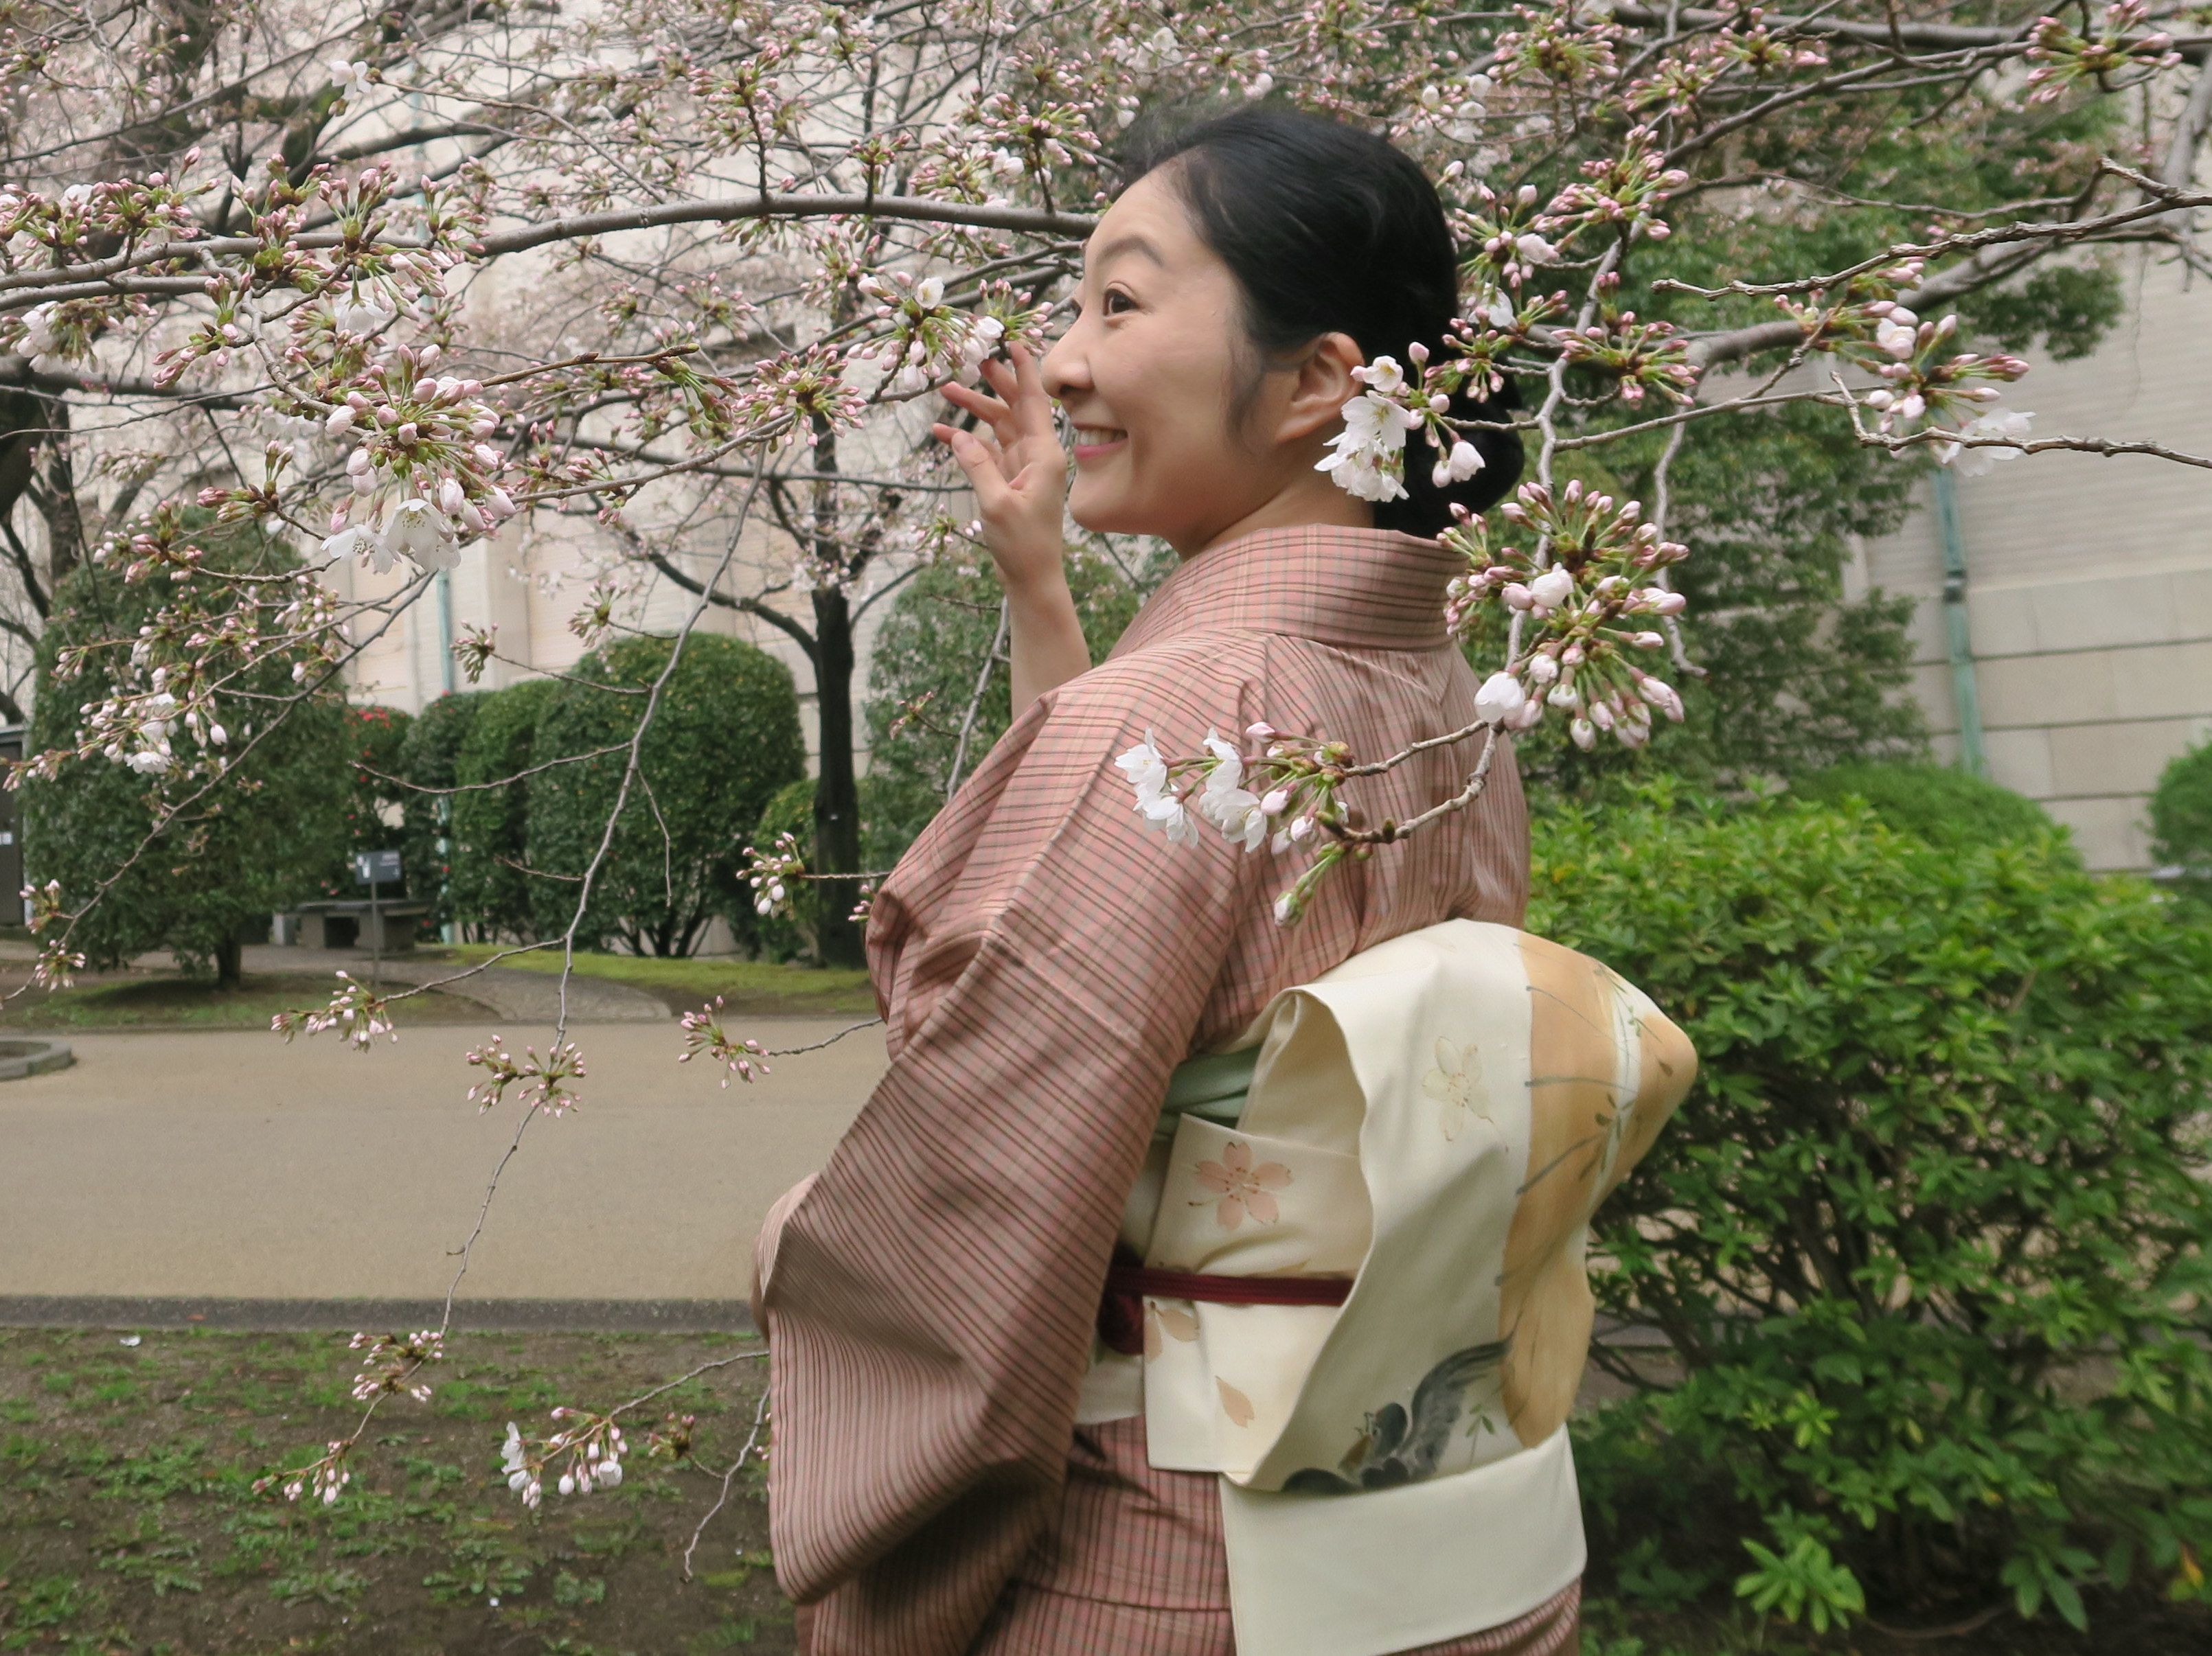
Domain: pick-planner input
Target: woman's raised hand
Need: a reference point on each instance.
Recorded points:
(1020, 475)
(1019, 472)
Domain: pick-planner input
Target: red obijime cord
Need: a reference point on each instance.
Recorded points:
(1129, 1284)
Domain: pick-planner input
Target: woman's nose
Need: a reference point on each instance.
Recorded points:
(1064, 369)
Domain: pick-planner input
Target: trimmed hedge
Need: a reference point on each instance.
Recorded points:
(1941, 804)
(488, 888)
(723, 738)
(1928, 1238)
(430, 758)
(2181, 821)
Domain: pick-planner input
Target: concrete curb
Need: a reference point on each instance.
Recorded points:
(19, 1058)
(323, 1316)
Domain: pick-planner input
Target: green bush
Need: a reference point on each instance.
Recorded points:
(724, 739)
(431, 759)
(2181, 821)
(1927, 1239)
(489, 889)
(1942, 805)
(791, 811)
(259, 841)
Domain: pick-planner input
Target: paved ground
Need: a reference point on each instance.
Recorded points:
(226, 1165)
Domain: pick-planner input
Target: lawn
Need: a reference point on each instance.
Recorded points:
(754, 986)
(170, 1000)
(128, 1521)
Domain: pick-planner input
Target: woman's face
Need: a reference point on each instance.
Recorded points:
(1149, 374)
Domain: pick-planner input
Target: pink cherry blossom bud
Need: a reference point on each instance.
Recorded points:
(1518, 596)
(1276, 803)
(1260, 730)
(450, 497)
(1531, 711)
(1543, 669)
(357, 462)
(1668, 603)
(1418, 351)
(408, 432)
(1584, 734)
(1646, 640)
(1600, 715)
(499, 503)
(340, 422)
(1662, 696)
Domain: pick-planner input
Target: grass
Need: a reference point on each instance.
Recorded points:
(754, 986)
(128, 1523)
(128, 1520)
(173, 1001)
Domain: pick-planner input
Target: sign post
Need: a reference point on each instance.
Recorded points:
(375, 870)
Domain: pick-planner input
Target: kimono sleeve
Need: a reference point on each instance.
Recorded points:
(933, 1295)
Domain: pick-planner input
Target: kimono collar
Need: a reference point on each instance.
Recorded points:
(1371, 589)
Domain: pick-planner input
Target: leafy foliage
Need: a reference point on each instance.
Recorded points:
(725, 738)
(928, 658)
(255, 842)
(1941, 805)
(430, 758)
(1929, 1237)
(2181, 820)
(490, 889)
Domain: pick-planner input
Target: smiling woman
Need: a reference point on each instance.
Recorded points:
(963, 1458)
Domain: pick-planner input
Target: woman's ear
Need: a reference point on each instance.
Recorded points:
(1324, 385)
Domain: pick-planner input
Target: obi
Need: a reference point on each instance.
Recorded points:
(1422, 1134)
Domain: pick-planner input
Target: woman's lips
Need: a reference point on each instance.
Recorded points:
(1092, 442)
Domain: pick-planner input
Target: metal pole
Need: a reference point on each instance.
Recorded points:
(1957, 645)
(375, 933)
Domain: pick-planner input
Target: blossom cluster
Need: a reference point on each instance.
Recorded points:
(542, 1082)
(1584, 589)
(394, 1363)
(355, 1011)
(703, 1032)
(591, 1446)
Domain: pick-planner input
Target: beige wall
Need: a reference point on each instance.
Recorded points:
(2090, 579)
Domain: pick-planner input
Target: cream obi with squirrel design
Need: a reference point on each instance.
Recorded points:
(1436, 1119)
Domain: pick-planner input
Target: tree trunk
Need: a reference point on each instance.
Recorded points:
(836, 793)
(228, 956)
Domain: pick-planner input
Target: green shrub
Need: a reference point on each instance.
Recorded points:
(489, 888)
(259, 841)
(1928, 1239)
(430, 758)
(783, 938)
(724, 739)
(2181, 821)
(1941, 804)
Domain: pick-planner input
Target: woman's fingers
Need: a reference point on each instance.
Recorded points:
(985, 473)
(989, 410)
(1031, 406)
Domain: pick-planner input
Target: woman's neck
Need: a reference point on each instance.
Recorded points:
(1309, 500)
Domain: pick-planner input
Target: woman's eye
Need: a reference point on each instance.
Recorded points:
(1117, 302)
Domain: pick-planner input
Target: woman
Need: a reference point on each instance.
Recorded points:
(1045, 959)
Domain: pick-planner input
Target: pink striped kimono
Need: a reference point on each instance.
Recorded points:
(1044, 958)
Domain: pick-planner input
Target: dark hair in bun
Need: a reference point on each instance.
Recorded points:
(1329, 229)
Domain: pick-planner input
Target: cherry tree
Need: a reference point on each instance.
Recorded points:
(676, 281)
